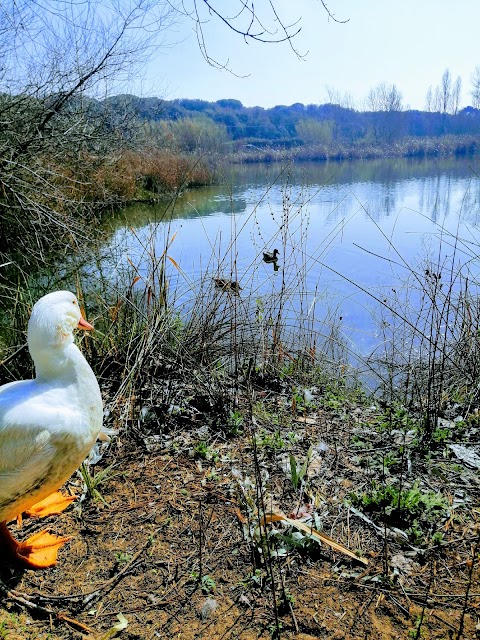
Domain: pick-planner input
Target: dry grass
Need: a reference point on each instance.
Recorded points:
(237, 405)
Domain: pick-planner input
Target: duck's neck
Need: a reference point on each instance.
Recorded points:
(65, 363)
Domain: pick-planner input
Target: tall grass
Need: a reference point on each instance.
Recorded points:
(429, 359)
(155, 323)
(172, 350)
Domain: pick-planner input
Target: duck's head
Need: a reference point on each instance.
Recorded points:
(53, 319)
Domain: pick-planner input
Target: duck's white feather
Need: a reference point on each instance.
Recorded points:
(47, 425)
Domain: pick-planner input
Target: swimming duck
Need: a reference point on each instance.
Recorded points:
(227, 285)
(47, 426)
(271, 257)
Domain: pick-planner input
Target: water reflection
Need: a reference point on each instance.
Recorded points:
(341, 229)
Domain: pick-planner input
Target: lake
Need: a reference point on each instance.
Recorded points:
(347, 234)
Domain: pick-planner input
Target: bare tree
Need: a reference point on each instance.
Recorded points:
(344, 100)
(445, 91)
(475, 92)
(456, 92)
(429, 100)
(258, 21)
(384, 97)
(446, 97)
(386, 103)
(59, 57)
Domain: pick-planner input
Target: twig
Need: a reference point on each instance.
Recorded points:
(469, 585)
(89, 596)
(20, 599)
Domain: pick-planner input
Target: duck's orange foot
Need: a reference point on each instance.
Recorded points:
(40, 550)
(53, 504)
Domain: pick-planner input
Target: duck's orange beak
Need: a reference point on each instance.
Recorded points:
(83, 324)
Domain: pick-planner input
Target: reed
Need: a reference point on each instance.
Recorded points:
(245, 353)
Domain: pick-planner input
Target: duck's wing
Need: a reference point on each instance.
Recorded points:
(30, 430)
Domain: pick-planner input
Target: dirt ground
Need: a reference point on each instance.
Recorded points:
(170, 543)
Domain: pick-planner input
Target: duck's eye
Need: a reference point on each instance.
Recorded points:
(74, 302)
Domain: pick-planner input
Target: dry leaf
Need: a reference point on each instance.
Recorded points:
(306, 420)
(120, 626)
(174, 262)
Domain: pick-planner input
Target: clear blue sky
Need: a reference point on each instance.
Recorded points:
(408, 43)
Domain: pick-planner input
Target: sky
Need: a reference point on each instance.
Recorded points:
(408, 43)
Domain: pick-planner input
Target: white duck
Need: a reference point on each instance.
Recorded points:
(47, 425)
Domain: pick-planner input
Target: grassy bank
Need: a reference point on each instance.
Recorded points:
(259, 151)
(56, 205)
(253, 487)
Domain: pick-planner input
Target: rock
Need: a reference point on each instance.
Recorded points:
(208, 608)
(467, 455)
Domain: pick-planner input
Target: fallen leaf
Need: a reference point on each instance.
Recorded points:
(120, 626)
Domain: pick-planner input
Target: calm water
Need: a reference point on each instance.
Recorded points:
(340, 228)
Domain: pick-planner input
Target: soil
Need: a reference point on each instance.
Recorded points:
(172, 542)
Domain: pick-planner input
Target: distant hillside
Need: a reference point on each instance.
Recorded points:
(281, 122)
(310, 131)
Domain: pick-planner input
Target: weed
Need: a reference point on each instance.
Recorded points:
(275, 630)
(292, 437)
(297, 474)
(286, 600)
(14, 623)
(411, 509)
(254, 580)
(396, 417)
(208, 584)
(437, 537)
(300, 403)
(441, 434)
(418, 631)
(123, 558)
(273, 441)
(235, 424)
(93, 482)
(204, 452)
(390, 459)
(262, 412)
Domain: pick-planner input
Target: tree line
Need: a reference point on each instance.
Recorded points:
(193, 125)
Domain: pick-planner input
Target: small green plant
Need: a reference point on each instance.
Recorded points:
(123, 557)
(262, 412)
(235, 423)
(441, 434)
(4, 633)
(417, 632)
(297, 474)
(332, 400)
(272, 441)
(275, 631)
(208, 584)
(204, 452)
(390, 459)
(211, 476)
(292, 437)
(93, 482)
(357, 442)
(437, 537)
(408, 509)
(397, 417)
(299, 405)
(254, 580)
(286, 600)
